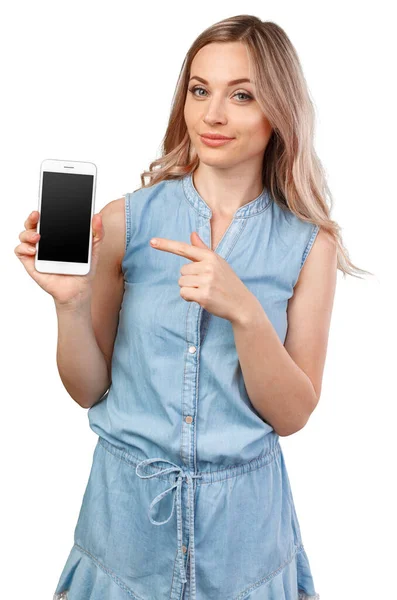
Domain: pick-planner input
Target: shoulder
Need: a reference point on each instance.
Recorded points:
(326, 243)
(114, 208)
(147, 194)
(297, 234)
(321, 265)
(305, 240)
(325, 251)
(324, 246)
(113, 221)
(152, 204)
(116, 214)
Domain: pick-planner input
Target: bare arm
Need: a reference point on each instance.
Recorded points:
(81, 364)
(87, 329)
(284, 382)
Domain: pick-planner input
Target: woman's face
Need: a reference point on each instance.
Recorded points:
(217, 107)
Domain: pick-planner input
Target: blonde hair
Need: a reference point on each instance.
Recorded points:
(292, 171)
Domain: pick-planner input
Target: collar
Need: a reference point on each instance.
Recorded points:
(247, 210)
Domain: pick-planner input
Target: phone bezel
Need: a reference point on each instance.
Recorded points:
(66, 166)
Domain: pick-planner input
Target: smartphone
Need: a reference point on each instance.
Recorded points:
(66, 207)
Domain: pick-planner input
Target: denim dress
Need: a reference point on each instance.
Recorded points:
(188, 497)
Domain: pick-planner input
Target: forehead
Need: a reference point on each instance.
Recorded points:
(221, 62)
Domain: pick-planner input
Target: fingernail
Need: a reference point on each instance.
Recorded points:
(154, 242)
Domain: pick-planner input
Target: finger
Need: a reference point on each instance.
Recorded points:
(31, 221)
(25, 250)
(194, 268)
(29, 235)
(27, 254)
(180, 248)
(189, 281)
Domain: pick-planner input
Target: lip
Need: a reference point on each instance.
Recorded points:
(215, 142)
(215, 136)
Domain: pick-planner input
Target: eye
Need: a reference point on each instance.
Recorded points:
(192, 90)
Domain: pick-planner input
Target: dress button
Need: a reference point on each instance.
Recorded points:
(192, 349)
(189, 419)
(184, 549)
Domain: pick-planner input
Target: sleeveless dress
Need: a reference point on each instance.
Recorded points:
(188, 497)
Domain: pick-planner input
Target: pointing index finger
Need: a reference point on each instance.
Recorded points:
(180, 248)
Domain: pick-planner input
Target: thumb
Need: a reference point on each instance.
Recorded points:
(197, 241)
(97, 228)
(98, 233)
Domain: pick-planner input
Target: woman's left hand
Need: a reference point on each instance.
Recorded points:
(209, 279)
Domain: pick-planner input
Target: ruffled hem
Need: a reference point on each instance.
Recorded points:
(282, 584)
(83, 576)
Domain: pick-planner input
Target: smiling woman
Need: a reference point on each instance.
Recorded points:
(204, 378)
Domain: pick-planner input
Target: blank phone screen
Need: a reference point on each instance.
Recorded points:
(65, 217)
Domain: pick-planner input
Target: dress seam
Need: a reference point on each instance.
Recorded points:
(270, 576)
(109, 572)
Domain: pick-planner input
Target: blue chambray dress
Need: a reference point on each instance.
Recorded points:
(188, 497)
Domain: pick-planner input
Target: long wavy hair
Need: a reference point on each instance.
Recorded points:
(292, 171)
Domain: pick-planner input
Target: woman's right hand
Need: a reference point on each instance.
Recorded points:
(67, 290)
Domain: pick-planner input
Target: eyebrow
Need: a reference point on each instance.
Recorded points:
(234, 82)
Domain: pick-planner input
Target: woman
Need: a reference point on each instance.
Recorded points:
(209, 345)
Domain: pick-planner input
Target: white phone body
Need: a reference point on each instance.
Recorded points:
(66, 207)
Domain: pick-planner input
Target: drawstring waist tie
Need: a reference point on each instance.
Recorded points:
(181, 475)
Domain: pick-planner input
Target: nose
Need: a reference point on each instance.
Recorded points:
(215, 112)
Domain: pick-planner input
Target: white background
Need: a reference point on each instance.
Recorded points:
(94, 81)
